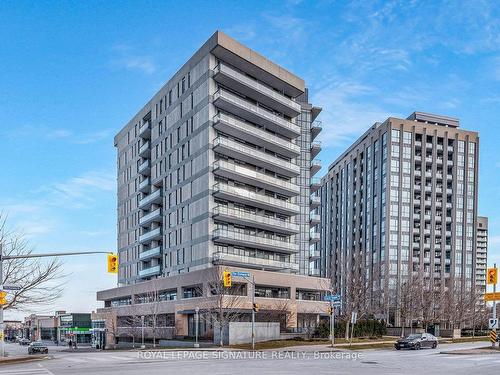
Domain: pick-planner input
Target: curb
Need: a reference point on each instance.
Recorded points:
(10, 360)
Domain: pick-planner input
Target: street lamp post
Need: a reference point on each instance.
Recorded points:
(196, 328)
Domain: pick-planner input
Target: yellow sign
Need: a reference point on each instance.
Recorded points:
(493, 336)
(3, 297)
(112, 263)
(227, 278)
(492, 296)
(492, 276)
(256, 307)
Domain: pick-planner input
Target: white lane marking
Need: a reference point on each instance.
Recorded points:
(76, 360)
(123, 358)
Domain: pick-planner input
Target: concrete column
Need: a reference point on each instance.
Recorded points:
(181, 323)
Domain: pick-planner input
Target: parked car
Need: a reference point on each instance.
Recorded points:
(24, 341)
(37, 347)
(417, 341)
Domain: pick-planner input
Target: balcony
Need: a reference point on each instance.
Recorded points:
(232, 103)
(314, 237)
(314, 254)
(315, 184)
(418, 187)
(253, 89)
(428, 145)
(315, 167)
(418, 157)
(254, 178)
(240, 195)
(152, 235)
(243, 217)
(315, 202)
(450, 148)
(314, 219)
(449, 191)
(315, 149)
(428, 189)
(254, 156)
(145, 130)
(145, 150)
(428, 160)
(418, 143)
(439, 176)
(153, 216)
(253, 262)
(244, 130)
(314, 272)
(254, 241)
(150, 254)
(418, 172)
(145, 168)
(316, 128)
(428, 174)
(151, 271)
(153, 198)
(144, 185)
(439, 161)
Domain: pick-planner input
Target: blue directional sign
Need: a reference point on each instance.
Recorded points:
(332, 297)
(240, 274)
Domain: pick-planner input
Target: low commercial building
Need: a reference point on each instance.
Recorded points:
(295, 301)
(74, 327)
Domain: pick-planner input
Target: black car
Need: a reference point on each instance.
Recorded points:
(417, 341)
(37, 347)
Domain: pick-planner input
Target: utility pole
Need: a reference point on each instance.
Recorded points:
(27, 256)
(142, 332)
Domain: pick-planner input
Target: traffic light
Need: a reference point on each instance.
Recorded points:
(112, 263)
(492, 276)
(256, 307)
(330, 310)
(3, 297)
(226, 277)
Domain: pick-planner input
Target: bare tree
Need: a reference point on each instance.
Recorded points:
(40, 282)
(152, 307)
(224, 304)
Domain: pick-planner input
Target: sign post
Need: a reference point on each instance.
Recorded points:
(334, 300)
(354, 319)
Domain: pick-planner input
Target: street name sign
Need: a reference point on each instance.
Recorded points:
(240, 274)
(332, 297)
(492, 296)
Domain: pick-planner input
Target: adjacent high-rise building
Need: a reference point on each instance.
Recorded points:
(481, 252)
(215, 172)
(400, 202)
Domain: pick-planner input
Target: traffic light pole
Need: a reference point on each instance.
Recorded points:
(253, 312)
(494, 312)
(27, 256)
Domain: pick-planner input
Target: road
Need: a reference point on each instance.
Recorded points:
(377, 361)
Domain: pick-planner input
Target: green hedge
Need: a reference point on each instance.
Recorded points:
(363, 328)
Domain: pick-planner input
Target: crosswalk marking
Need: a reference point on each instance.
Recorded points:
(35, 371)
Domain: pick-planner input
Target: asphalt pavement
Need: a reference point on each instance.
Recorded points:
(290, 361)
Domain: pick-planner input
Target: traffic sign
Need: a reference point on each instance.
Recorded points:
(10, 287)
(227, 279)
(493, 336)
(493, 323)
(492, 276)
(240, 274)
(332, 297)
(354, 317)
(492, 296)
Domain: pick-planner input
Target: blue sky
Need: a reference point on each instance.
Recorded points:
(73, 73)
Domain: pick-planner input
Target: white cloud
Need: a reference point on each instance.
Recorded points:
(129, 58)
(346, 112)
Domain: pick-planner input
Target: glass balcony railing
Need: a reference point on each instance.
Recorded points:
(259, 157)
(257, 86)
(258, 178)
(241, 215)
(150, 236)
(154, 197)
(253, 198)
(151, 271)
(256, 262)
(152, 253)
(257, 135)
(156, 214)
(253, 240)
(266, 116)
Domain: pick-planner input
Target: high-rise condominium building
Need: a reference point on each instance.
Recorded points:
(482, 252)
(214, 172)
(216, 169)
(400, 202)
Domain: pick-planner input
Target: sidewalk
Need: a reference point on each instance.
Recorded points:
(22, 358)
(476, 351)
